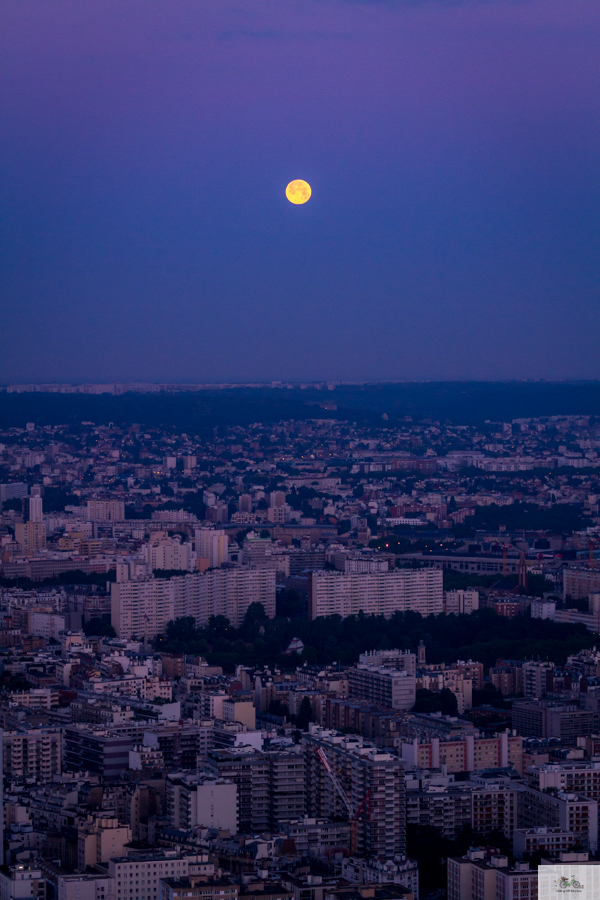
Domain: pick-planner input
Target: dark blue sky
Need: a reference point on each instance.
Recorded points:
(453, 151)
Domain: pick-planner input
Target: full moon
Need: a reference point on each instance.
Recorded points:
(298, 191)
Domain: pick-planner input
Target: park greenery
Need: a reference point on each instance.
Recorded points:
(260, 641)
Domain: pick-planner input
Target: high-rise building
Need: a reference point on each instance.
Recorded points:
(212, 544)
(249, 771)
(286, 787)
(245, 503)
(377, 593)
(371, 779)
(30, 535)
(537, 678)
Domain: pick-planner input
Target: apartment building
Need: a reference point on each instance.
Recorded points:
(477, 877)
(580, 582)
(196, 799)
(140, 876)
(551, 718)
(143, 608)
(248, 770)
(460, 603)
(377, 593)
(560, 809)
(469, 753)
(105, 511)
(88, 748)
(212, 546)
(550, 841)
(32, 754)
(573, 776)
(366, 774)
(383, 686)
(286, 787)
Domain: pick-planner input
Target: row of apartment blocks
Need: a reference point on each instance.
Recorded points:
(143, 608)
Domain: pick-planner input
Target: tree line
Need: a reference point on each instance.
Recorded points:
(483, 636)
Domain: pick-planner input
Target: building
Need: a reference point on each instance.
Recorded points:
(468, 753)
(181, 746)
(212, 546)
(460, 603)
(143, 608)
(480, 877)
(580, 582)
(14, 490)
(286, 783)
(99, 839)
(196, 799)
(560, 809)
(378, 593)
(403, 660)
(82, 887)
(150, 869)
(47, 624)
(551, 841)
(32, 754)
(317, 837)
(537, 679)
(383, 686)
(551, 718)
(507, 679)
(30, 535)
(198, 888)
(239, 711)
(569, 775)
(168, 554)
(444, 807)
(369, 777)
(22, 882)
(249, 772)
(92, 749)
(105, 510)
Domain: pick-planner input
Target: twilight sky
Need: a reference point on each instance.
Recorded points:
(453, 150)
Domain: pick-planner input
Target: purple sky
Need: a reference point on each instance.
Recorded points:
(453, 151)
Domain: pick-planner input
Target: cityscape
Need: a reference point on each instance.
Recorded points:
(299, 450)
(308, 658)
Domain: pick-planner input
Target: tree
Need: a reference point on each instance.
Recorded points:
(304, 716)
(277, 708)
(254, 617)
(448, 702)
(99, 628)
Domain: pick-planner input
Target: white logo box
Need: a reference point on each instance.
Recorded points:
(569, 882)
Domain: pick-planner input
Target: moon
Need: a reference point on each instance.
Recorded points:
(298, 191)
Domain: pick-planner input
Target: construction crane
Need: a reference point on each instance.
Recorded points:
(352, 815)
(591, 550)
(504, 560)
